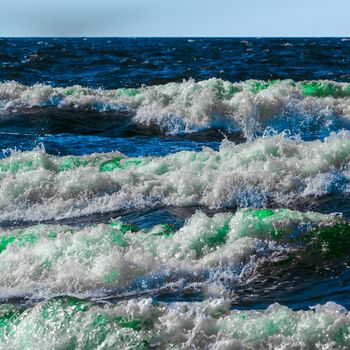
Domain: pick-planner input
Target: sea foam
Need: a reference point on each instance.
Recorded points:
(139, 324)
(45, 260)
(191, 106)
(36, 186)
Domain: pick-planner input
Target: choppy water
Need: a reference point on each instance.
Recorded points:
(174, 193)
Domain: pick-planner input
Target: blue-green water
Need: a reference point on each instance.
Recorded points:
(174, 193)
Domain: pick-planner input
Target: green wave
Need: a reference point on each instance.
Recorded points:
(31, 161)
(61, 258)
(68, 323)
(37, 186)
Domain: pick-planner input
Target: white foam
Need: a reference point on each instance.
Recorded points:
(34, 186)
(192, 106)
(67, 323)
(45, 260)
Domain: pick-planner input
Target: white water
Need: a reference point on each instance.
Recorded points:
(44, 260)
(192, 106)
(37, 186)
(60, 324)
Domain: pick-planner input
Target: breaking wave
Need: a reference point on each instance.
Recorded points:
(66, 323)
(46, 260)
(36, 186)
(190, 106)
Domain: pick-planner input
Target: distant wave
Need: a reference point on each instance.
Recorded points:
(193, 106)
(35, 186)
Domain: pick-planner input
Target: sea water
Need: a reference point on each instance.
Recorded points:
(174, 193)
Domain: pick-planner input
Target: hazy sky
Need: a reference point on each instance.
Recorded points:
(175, 18)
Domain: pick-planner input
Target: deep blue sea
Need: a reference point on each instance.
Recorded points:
(174, 193)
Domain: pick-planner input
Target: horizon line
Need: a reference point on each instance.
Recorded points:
(176, 37)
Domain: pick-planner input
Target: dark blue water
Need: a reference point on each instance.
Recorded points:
(107, 63)
(111, 63)
(119, 62)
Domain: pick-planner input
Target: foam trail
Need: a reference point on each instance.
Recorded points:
(46, 260)
(35, 186)
(191, 106)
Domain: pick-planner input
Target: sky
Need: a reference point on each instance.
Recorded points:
(175, 18)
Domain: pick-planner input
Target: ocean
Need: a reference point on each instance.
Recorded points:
(174, 193)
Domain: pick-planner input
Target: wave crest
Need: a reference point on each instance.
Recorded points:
(35, 186)
(193, 106)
